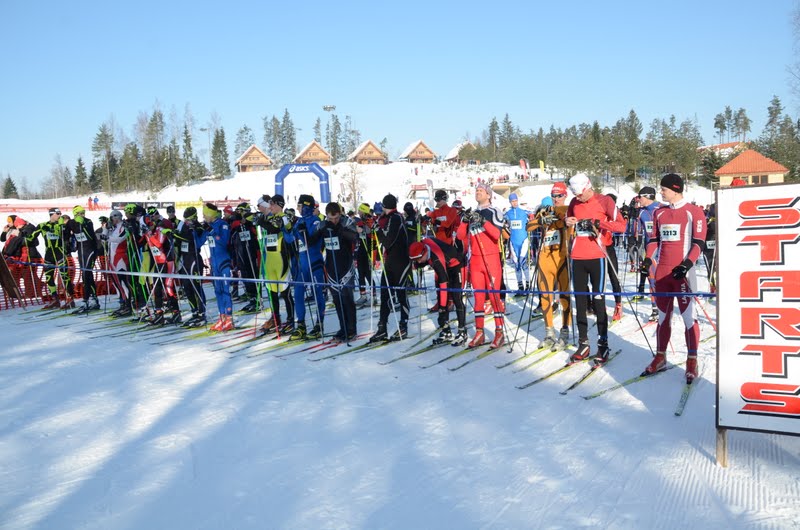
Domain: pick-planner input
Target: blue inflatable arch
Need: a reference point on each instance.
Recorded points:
(301, 169)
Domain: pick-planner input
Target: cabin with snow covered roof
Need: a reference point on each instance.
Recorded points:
(753, 168)
(454, 155)
(253, 159)
(418, 153)
(367, 153)
(312, 153)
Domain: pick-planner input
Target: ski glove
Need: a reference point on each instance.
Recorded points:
(680, 271)
(644, 268)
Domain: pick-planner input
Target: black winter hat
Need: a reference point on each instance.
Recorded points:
(408, 208)
(279, 200)
(191, 211)
(389, 202)
(648, 192)
(306, 200)
(170, 209)
(440, 195)
(673, 182)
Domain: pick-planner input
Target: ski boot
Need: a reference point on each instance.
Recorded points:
(478, 339)
(299, 332)
(198, 320)
(286, 328)
(270, 326)
(445, 336)
(174, 317)
(315, 333)
(53, 304)
(460, 338)
(520, 292)
(549, 341)
(691, 369)
(601, 355)
(583, 353)
(69, 303)
(617, 312)
(251, 307)
(563, 339)
(659, 364)
(653, 315)
(380, 334)
(499, 338)
(158, 318)
(400, 334)
(225, 323)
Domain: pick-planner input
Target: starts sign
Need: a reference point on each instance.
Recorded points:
(758, 346)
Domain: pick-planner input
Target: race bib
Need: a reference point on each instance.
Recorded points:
(711, 244)
(331, 243)
(52, 236)
(301, 245)
(670, 232)
(648, 226)
(81, 238)
(244, 236)
(185, 246)
(516, 224)
(211, 242)
(551, 238)
(442, 218)
(272, 240)
(155, 251)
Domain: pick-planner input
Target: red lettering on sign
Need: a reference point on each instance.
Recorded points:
(784, 320)
(753, 285)
(771, 399)
(774, 359)
(771, 245)
(769, 213)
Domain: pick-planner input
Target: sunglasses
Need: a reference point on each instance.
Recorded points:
(558, 195)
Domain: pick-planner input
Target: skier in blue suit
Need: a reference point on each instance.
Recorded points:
(309, 268)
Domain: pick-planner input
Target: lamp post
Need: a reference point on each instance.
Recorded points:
(208, 131)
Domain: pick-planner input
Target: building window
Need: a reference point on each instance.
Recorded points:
(759, 179)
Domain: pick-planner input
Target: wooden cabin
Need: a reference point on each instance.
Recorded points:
(418, 153)
(753, 168)
(454, 155)
(253, 159)
(311, 153)
(367, 153)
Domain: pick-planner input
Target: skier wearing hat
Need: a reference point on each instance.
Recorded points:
(553, 266)
(595, 218)
(364, 252)
(118, 259)
(444, 218)
(446, 262)
(159, 240)
(83, 231)
(275, 227)
(244, 244)
(481, 229)
(217, 234)
(309, 269)
(516, 220)
(644, 224)
(56, 235)
(678, 234)
(189, 238)
(393, 239)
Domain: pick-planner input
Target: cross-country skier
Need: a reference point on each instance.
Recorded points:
(82, 230)
(217, 234)
(517, 219)
(56, 235)
(679, 232)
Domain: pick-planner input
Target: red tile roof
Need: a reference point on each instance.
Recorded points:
(750, 162)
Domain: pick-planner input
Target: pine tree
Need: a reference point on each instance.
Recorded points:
(220, 164)
(287, 146)
(720, 125)
(244, 139)
(492, 139)
(729, 121)
(272, 135)
(9, 188)
(102, 149)
(742, 124)
(333, 134)
(81, 178)
(318, 131)
(351, 138)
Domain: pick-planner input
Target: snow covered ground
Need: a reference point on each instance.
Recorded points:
(100, 430)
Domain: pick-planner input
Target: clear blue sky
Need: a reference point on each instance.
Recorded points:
(402, 70)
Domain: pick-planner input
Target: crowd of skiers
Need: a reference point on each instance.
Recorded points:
(303, 258)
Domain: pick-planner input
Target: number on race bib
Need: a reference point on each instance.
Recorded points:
(648, 226)
(272, 240)
(516, 224)
(671, 232)
(244, 236)
(211, 242)
(155, 251)
(81, 238)
(301, 245)
(331, 243)
(552, 238)
(185, 246)
(711, 244)
(52, 236)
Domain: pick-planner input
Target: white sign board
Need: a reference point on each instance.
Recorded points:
(758, 308)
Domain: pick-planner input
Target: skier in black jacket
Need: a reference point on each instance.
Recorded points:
(393, 238)
(86, 239)
(339, 237)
